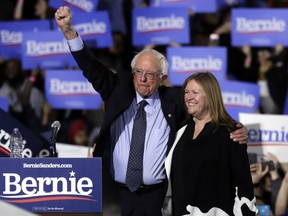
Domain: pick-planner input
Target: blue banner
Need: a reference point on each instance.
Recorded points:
(230, 3)
(240, 97)
(46, 50)
(12, 35)
(75, 6)
(203, 6)
(94, 28)
(184, 61)
(4, 103)
(52, 184)
(36, 145)
(160, 26)
(286, 105)
(259, 27)
(66, 89)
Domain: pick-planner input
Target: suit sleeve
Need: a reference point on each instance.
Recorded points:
(102, 79)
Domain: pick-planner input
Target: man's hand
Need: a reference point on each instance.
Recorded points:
(63, 17)
(240, 135)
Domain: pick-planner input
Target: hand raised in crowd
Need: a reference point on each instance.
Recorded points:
(63, 17)
(281, 206)
(257, 172)
(273, 172)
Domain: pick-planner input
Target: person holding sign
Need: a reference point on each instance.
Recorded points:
(207, 171)
(136, 98)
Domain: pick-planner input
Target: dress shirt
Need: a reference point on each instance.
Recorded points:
(156, 139)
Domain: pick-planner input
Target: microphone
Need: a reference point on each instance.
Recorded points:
(55, 128)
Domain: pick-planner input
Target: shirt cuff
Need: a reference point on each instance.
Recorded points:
(75, 44)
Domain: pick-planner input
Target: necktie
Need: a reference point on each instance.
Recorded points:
(134, 176)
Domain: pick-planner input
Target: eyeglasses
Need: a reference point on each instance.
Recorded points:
(151, 75)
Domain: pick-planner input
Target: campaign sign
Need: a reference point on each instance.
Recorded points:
(4, 103)
(229, 3)
(240, 97)
(259, 27)
(46, 50)
(52, 184)
(36, 145)
(160, 26)
(94, 28)
(203, 6)
(286, 104)
(11, 34)
(184, 61)
(66, 89)
(75, 5)
(267, 134)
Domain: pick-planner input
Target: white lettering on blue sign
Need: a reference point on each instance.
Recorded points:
(34, 48)
(86, 5)
(91, 28)
(179, 63)
(59, 87)
(238, 99)
(29, 186)
(244, 25)
(160, 23)
(11, 37)
(4, 139)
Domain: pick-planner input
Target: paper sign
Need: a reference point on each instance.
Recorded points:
(160, 26)
(259, 27)
(66, 89)
(185, 61)
(52, 184)
(267, 133)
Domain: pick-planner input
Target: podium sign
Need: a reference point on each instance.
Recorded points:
(52, 184)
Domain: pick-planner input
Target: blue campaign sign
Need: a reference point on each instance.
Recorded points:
(48, 185)
(184, 61)
(4, 103)
(240, 97)
(229, 3)
(259, 27)
(36, 145)
(286, 105)
(94, 28)
(75, 5)
(66, 89)
(160, 26)
(11, 34)
(203, 6)
(46, 50)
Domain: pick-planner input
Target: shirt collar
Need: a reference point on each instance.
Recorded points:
(151, 100)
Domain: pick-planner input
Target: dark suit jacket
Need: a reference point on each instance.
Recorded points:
(117, 91)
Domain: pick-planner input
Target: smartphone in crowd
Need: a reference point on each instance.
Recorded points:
(270, 165)
(263, 210)
(252, 157)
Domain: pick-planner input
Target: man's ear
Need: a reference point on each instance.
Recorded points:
(164, 80)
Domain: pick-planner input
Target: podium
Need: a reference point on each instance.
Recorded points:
(9, 209)
(53, 186)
